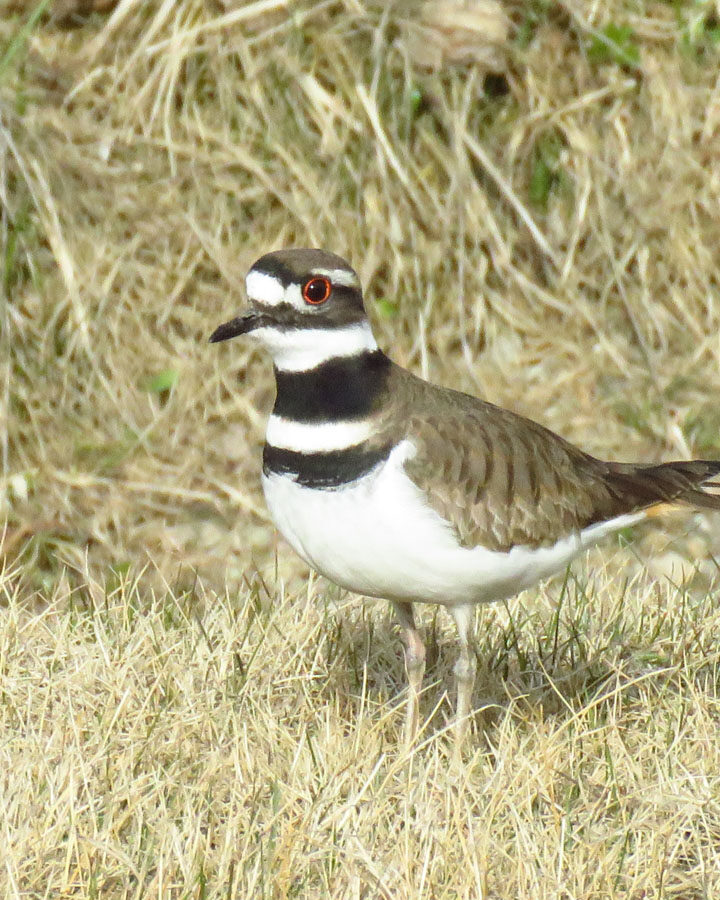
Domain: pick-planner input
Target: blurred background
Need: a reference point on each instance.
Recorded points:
(530, 192)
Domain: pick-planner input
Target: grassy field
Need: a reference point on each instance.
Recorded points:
(533, 205)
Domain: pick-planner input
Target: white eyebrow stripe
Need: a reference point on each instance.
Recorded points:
(301, 349)
(264, 288)
(316, 437)
(339, 276)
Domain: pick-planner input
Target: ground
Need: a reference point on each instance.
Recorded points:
(530, 193)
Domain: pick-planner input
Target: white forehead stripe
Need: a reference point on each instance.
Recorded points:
(316, 437)
(339, 276)
(264, 288)
(300, 349)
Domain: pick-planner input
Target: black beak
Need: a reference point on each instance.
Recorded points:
(240, 325)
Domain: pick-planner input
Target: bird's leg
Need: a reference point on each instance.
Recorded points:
(414, 665)
(464, 669)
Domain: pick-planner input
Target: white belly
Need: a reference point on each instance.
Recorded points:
(378, 537)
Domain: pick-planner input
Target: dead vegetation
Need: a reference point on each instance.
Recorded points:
(534, 208)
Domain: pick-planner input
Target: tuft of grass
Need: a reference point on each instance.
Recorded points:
(546, 170)
(17, 42)
(534, 14)
(699, 28)
(615, 43)
(162, 382)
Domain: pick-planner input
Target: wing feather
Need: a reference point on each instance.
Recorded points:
(502, 480)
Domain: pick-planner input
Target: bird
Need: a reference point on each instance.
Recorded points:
(397, 488)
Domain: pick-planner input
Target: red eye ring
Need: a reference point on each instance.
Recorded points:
(316, 290)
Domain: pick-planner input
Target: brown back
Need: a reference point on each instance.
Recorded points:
(503, 480)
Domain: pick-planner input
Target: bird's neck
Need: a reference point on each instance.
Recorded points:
(339, 388)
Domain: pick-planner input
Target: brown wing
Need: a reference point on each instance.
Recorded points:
(503, 480)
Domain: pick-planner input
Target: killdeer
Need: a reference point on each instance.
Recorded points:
(394, 487)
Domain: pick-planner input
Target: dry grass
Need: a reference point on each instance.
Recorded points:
(183, 713)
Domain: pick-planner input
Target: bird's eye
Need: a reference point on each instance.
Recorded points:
(316, 291)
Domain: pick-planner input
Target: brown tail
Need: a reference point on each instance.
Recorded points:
(688, 482)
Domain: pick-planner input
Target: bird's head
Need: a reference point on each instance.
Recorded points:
(306, 306)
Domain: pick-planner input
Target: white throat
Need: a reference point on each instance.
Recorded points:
(300, 349)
